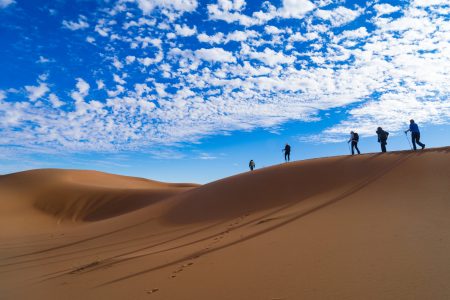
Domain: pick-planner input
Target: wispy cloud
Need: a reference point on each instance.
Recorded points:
(80, 24)
(6, 3)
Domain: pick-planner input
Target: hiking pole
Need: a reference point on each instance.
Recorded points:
(406, 137)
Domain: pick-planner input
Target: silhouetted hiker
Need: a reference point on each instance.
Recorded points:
(287, 152)
(382, 138)
(415, 134)
(251, 165)
(354, 138)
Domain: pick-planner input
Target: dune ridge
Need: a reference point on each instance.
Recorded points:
(373, 226)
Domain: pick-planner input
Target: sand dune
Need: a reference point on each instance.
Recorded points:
(373, 226)
(76, 195)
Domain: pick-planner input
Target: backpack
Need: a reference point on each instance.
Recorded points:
(384, 135)
(355, 137)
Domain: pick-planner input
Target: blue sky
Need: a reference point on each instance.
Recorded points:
(190, 90)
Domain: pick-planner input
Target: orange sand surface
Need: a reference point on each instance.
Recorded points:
(374, 226)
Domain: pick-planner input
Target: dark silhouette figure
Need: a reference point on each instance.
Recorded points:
(251, 165)
(354, 138)
(415, 134)
(382, 138)
(287, 152)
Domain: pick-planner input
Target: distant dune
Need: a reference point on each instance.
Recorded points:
(79, 195)
(372, 226)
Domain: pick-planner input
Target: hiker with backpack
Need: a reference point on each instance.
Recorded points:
(382, 138)
(287, 152)
(415, 134)
(354, 138)
(251, 165)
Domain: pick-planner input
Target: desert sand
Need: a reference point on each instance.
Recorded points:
(373, 226)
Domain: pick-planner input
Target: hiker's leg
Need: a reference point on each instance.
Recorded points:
(418, 141)
(383, 146)
(413, 139)
(356, 147)
(353, 148)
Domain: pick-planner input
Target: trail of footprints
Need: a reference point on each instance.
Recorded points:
(217, 239)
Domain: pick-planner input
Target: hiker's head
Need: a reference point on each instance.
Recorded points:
(379, 129)
(411, 121)
(351, 132)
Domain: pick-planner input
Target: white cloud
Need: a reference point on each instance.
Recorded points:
(130, 59)
(5, 3)
(71, 25)
(272, 30)
(141, 89)
(55, 101)
(83, 87)
(101, 29)
(226, 10)
(83, 90)
(385, 9)
(228, 5)
(118, 79)
(43, 60)
(185, 30)
(359, 33)
(43, 77)
(230, 12)
(161, 89)
(147, 61)
(240, 36)
(297, 37)
(272, 58)
(211, 39)
(296, 8)
(147, 6)
(100, 84)
(147, 41)
(2, 95)
(339, 16)
(215, 55)
(425, 3)
(171, 36)
(117, 64)
(36, 92)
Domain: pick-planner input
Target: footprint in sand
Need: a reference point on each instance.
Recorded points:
(181, 269)
(151, 291)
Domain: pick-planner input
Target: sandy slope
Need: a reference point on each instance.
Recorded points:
(373, 226)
